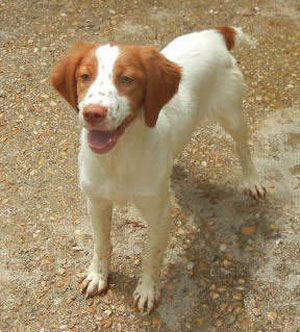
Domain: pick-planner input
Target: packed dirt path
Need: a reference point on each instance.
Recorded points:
(233, 264)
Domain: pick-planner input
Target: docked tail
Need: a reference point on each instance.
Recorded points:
(234, 37)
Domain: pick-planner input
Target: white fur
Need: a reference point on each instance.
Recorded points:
(103, 91)
(138, 168)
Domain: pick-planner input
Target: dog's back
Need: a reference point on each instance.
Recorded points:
(212, 84)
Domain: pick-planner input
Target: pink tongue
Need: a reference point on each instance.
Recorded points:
(99, 139)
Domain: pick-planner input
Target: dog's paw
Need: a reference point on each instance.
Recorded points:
(254, 189)
(93, 284)
(146, 297)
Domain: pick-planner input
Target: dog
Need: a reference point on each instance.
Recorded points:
(137, 108)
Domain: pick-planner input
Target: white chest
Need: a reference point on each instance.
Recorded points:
(139, 165)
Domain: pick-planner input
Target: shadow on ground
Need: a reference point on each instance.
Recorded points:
(234, 260)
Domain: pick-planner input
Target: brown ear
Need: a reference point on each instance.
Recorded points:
(63, 77)
(163, 77)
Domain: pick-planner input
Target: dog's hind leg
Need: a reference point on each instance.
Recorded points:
(233, 122)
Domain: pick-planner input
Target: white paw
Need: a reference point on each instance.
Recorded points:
(254, 189)
(145, 297)
(94, 283)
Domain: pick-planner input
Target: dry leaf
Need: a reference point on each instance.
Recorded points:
(93, 309)
(248, 230)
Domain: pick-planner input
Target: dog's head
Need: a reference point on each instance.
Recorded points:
(109, 84)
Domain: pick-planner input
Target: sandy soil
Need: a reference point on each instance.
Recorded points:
(232, 263)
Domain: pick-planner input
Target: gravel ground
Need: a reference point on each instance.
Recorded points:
(232, 263)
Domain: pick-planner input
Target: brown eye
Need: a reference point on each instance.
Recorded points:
(85, 77)
(125, 80)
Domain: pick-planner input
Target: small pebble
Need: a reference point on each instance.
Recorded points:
(61, 271)
(272, 315)
(256, 311)
(78, 232)
(76, 249)
(53, 103)
(230, 319)
(108, 312)
(214, 295)
(238, 296)
(190, 266)
(3, 94)
(227, 263)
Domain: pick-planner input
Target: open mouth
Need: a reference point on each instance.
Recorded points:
(102, 141)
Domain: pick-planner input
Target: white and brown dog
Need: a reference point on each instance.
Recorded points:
(137, 108)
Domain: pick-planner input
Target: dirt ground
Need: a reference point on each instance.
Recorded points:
(233, 264)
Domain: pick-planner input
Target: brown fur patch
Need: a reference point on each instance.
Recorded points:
(129, 64)
(155, 79)
(229, 36)
(163, 78)
(88, 66)
(64, 75)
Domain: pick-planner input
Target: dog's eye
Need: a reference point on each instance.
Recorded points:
(125, 80)
(85, 77)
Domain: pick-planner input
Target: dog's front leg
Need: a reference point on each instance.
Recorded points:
(156, 211)
(100, 212)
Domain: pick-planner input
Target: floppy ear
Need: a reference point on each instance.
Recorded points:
(63, 78)
(163, 77)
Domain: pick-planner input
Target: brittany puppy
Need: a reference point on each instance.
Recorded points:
(138, 107)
